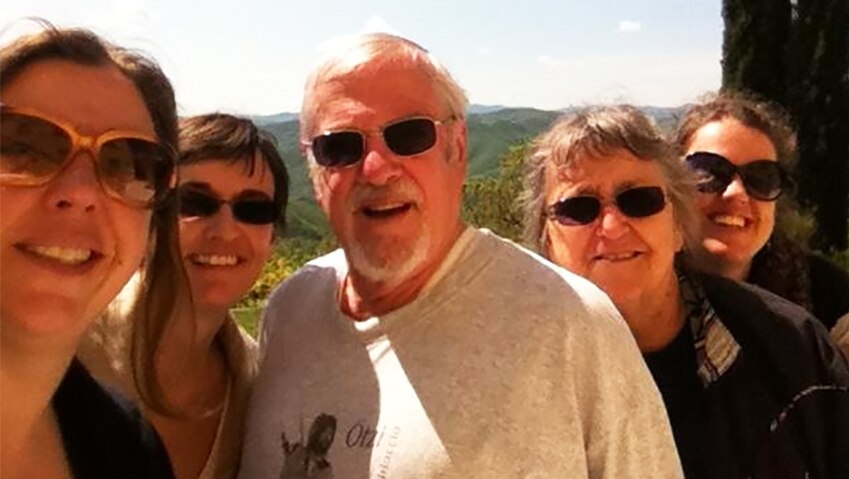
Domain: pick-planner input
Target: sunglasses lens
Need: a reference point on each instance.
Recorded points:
(31, 149)
(763, 179)
(338, 149)
(714, 172)
(135, 169)
(196, 204)
(580, 210)
(641, 202)
(410, 137)
(255, 212)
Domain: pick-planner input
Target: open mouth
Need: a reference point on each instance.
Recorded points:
(617, 257)
(730, 220)
(386, 211)
(65, 256)
(215, 260)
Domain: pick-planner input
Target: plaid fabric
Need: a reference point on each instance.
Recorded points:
(716, 348)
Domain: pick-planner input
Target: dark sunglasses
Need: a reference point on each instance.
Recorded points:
(764, 180)
(35, 148)
(638, 202)
(407, 137)
(253, 211)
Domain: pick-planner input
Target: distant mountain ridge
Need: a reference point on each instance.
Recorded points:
(491, 131)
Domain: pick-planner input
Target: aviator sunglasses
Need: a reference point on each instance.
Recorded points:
(407, 137)
(251, 210)
(35, 148)
(764, 180)
(638, 202)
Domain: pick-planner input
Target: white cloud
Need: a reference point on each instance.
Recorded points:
(484, 51)
(549, 61)
(374, 24)
(629, 26)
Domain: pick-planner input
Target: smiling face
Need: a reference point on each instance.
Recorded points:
(396, 217)
(628, 258)
(67, 246)
(735, 226)
(222, 256)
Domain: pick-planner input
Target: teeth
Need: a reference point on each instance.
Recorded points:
(63, 255)
(387, 207)
(214, 260)
(728, 220)
(618, 257)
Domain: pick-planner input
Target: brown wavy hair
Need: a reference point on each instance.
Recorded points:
(781, 265)
(164, 287)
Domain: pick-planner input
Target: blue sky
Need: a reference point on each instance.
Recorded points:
(251, 57)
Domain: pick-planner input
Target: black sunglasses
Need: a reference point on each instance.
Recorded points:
(407, 137)
(254, 211)
(638, 202)
(764, 180)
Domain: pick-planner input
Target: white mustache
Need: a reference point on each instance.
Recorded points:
(402, 191)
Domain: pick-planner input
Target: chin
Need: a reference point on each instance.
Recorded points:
(378, 267)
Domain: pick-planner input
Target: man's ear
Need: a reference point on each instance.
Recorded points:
(459, 140)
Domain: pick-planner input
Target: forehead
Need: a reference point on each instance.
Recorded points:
(733, 140)
(92, 98)
(228, 177)
(372, 95)
(602, 175)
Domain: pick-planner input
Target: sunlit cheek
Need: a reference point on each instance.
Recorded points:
(566, 249)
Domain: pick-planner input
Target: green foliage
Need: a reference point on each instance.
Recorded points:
(289, 255)
(492, 202)
(753, 47)
(819, 103)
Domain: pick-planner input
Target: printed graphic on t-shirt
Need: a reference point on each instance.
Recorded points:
(310, 461)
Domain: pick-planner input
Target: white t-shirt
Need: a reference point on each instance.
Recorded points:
(504, 366)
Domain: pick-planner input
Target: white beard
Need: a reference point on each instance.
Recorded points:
(388, 269)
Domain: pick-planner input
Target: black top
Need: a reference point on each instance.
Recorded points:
(774, 401)
(674, 371)
(104, 435)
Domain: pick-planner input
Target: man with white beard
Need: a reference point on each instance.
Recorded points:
(425, 347)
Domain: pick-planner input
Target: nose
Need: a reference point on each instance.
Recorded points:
(380, 166)
(77, 185)
(613, 224)
(735, 189)
(222, 225)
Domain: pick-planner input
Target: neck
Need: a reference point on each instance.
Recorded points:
(30, 373)
(655, 319)
(361, 298)
(714, 260)
(189, 361)
(735, 271)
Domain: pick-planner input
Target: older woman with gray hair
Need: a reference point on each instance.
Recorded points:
(752, 385)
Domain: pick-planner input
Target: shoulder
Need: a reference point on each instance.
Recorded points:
(776, 333)
(547, 295)
(317, 274)
(104, 434)
(310, 287)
